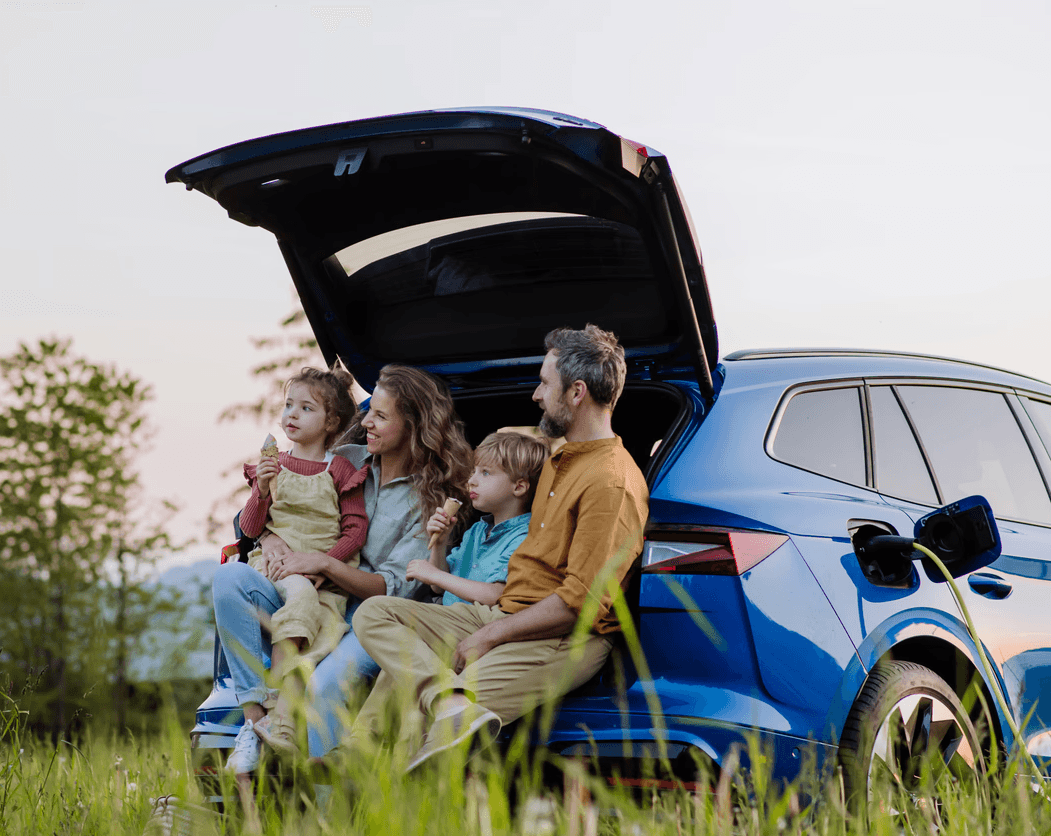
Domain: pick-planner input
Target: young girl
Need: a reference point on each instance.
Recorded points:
(313, 510)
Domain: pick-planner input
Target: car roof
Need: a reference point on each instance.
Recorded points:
(792, 365)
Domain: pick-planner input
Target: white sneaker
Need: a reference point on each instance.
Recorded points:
(245, 756)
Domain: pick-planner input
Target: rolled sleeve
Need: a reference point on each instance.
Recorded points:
(453, 560)
(609, 528)
(410, 545)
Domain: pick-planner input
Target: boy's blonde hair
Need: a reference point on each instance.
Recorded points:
(520, 456)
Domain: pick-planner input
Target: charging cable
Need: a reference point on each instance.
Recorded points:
(998, 689)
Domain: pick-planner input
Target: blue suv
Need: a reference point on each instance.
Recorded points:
(455, 240)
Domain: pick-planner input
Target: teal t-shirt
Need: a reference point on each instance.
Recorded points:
(484, 551)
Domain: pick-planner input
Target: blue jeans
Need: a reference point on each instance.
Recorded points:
(239, 594)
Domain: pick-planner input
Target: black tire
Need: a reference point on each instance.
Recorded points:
(907, 739)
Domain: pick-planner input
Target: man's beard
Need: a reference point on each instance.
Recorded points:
(555, 424)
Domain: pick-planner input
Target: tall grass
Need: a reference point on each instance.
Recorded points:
(105, 785)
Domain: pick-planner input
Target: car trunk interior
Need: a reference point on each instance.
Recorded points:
(645, 416)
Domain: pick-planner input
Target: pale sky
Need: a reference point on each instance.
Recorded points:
(861, 174)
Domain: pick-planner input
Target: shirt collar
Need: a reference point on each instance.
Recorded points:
(506, 525)
(374, 472)
(577, 448)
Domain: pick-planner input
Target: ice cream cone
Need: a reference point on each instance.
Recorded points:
(269, 448)
(450, 507)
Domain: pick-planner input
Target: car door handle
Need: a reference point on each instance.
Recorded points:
(991, 586)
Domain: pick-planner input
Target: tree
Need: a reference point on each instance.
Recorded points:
(69, 432)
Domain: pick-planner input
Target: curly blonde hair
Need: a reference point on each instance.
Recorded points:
(440, 459)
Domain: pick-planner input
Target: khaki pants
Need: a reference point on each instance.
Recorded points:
(316, 615)
(413, 643)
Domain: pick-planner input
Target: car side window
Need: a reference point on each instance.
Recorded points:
(975, 446)
(822, 431)
(900, 469)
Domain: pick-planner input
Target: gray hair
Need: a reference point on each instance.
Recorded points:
(593, 356)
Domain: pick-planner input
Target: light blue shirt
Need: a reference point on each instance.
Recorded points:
(396, 534)
(484, 551)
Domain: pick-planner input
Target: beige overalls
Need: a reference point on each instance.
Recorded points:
(304, 512)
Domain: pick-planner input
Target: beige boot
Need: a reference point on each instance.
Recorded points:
(278, 731)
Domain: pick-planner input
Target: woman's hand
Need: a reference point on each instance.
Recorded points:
(311, 564)
(423, 570)
(265, 472)
(273, 547)
(441, 524)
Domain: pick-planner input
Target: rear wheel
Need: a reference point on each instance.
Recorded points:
(908, 742)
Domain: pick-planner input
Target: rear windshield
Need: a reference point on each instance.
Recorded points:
(442, 288)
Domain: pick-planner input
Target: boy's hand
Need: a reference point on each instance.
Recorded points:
(422, 570)
(441, 524)
(265, 472)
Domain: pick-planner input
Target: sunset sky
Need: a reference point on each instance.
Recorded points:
(862, 174)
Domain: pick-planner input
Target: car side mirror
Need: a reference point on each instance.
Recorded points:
(964, 535)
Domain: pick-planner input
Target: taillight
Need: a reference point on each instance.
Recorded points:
(706, 550)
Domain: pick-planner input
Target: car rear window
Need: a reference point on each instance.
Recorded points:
(445, 288)
(822, 431)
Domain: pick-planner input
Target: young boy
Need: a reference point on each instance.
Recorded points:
(507, 466)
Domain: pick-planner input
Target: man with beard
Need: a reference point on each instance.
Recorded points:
(470, 667)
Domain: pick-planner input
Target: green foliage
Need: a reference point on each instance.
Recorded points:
(73, 532)
(68, 432)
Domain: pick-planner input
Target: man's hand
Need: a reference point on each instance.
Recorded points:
(422, 570)
(473, 648)
(548, 618)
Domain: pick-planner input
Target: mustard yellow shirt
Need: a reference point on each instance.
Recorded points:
(590, 508)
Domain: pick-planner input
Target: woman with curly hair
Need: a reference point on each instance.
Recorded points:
(416, 454)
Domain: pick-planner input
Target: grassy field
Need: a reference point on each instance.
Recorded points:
(103, 785)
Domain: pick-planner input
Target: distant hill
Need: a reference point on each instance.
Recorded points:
(180, 647)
